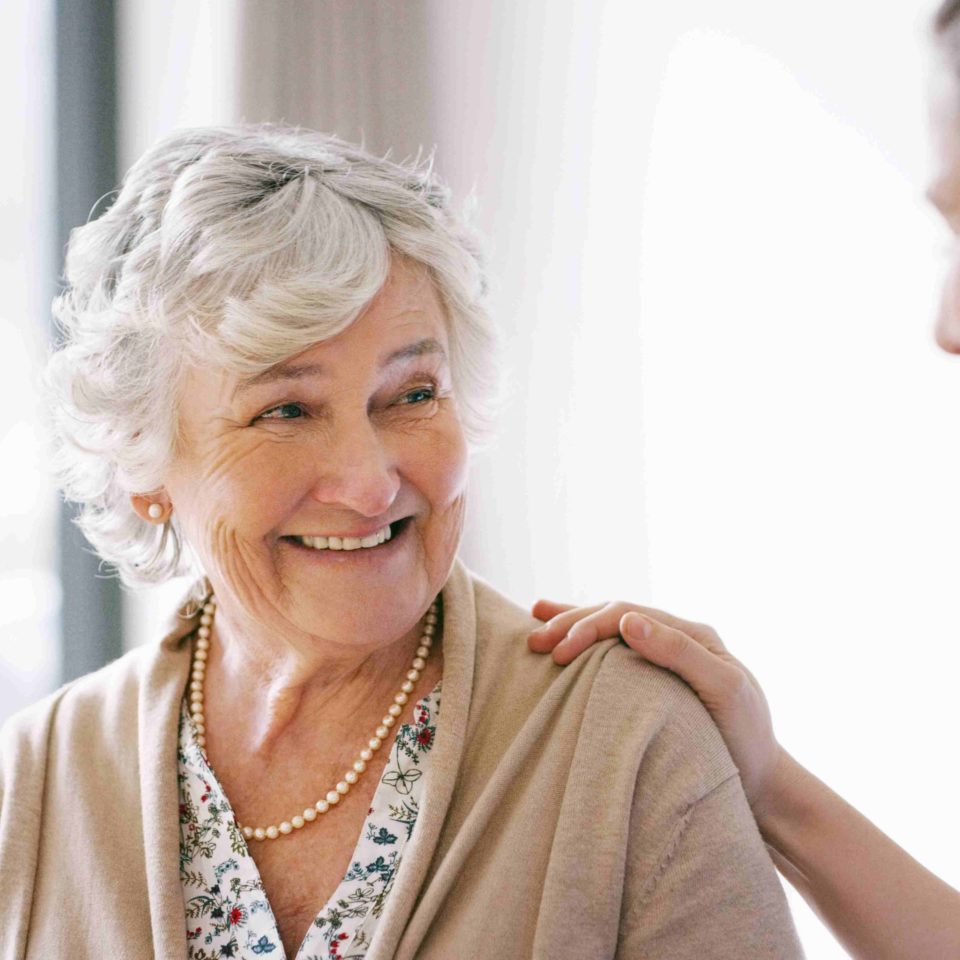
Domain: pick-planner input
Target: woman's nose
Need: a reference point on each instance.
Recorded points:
(356, 470)
(947, 329)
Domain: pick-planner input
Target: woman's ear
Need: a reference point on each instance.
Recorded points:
(152, 507)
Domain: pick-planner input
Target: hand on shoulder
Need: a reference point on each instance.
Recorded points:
(693, 651)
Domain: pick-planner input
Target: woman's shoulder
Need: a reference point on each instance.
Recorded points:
(101, 707)
(80, 761)
(610, 698)
(619, 674)
(106, 700)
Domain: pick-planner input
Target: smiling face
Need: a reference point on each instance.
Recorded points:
(352, 441)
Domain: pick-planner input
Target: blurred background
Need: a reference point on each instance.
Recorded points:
(715, 275)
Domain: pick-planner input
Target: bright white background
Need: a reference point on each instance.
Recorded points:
(716, 275)
(29, 589)
(796, 426)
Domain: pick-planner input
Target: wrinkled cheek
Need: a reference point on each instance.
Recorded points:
(451, 475)
(227, 534)
(453, 522)
(221, 548)
(947, 329)
(241, 569)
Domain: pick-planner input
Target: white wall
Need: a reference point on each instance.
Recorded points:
(516, 93)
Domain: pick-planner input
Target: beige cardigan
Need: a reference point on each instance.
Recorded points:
(587, 811)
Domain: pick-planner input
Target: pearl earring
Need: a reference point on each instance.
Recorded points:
(155, 511)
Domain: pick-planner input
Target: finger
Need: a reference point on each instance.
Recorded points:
(571, 632)
(547, 609)
(703, 633)
(586, 626)
(707, 673)
(544, 638)
(558, 625)
(602, 624)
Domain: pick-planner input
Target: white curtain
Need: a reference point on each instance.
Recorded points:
(352, 69)
(503, 92)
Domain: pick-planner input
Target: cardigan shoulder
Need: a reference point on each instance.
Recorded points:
(604, 792)
(84, 735)
(49, 752)
(89, 705)
(72, 767)
(610, 693)
(100, 697)
(104, 702)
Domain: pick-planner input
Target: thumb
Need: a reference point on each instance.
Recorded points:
(677, 651)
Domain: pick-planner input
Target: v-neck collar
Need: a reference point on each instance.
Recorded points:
(221, 879)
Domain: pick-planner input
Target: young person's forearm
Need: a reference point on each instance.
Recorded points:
(875, 898)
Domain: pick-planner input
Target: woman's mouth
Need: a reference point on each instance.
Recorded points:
(334, 542)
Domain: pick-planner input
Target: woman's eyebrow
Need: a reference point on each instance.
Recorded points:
(298, 371)
(416, 349)
(281, 371)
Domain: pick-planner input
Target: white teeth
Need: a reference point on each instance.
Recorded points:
(347, 543)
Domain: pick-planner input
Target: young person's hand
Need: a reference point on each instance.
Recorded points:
(694, 652)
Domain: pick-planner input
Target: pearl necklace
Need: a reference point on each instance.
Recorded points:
(332, 798)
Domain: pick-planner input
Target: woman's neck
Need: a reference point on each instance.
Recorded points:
(275, 688)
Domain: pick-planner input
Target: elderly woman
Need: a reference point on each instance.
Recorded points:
(276, 361)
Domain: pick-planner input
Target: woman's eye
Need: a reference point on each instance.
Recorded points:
(420, 395)
(286, 411)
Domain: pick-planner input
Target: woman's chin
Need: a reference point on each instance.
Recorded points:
(369, 622)
(373, 591)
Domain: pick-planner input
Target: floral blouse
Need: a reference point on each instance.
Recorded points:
(226, 911)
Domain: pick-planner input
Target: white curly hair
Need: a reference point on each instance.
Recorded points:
(240, 246)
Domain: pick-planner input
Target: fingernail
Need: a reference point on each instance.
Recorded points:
(635, 626)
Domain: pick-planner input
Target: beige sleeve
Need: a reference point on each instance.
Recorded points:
(713, 894)
(23, 760)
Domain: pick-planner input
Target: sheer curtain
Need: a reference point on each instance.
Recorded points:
(503, 93)
(347, 68)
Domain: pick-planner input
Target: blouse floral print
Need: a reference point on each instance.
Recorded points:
(227, 913)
